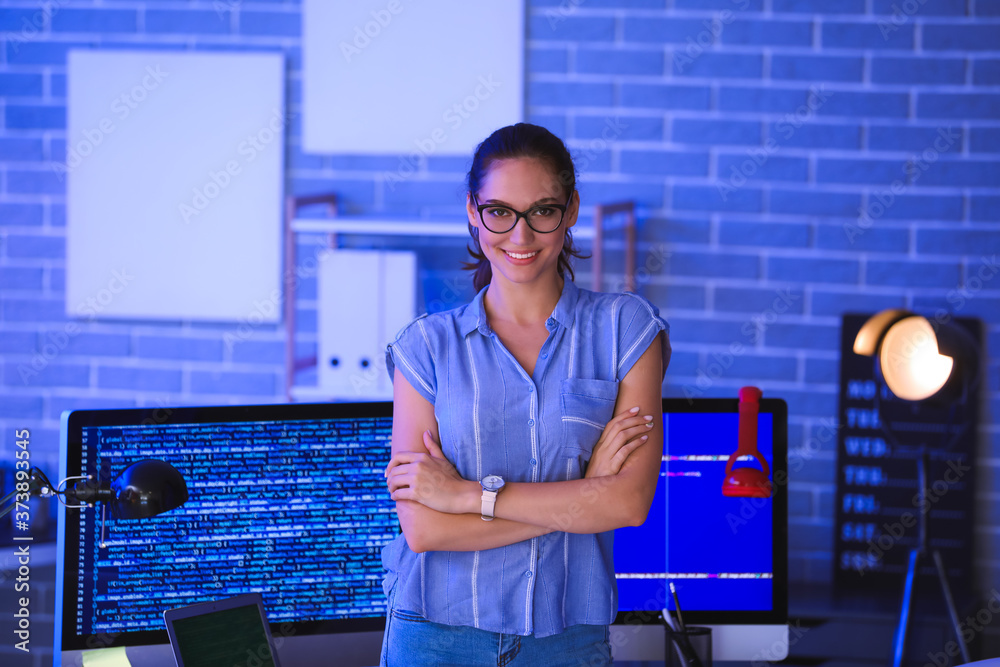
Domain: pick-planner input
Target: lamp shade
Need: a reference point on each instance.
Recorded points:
(919, 360)
(147, 488)
(911, 362)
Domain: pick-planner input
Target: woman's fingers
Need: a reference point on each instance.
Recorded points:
(432, 445)
(620, 449)
(400, 459)
(426, 477)
(622, 435)
(627, 430)
(622, 454)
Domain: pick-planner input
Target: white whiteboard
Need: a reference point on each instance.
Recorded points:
(174, 176)
(434, 77)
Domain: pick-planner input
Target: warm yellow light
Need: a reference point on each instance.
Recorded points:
(911, 364)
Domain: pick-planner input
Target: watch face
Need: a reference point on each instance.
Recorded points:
(493, 482)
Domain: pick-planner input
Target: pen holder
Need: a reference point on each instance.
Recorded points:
(690, 648)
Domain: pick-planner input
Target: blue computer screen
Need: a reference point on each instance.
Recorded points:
(287, 501)
(719, 551)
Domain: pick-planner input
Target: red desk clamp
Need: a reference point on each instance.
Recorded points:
(747, 482)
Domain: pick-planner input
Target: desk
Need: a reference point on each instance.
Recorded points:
(858, 630)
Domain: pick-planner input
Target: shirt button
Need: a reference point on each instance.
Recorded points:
(528, 573)
(531, 389)
(550, 322)
(534, 462)
(531, 422)
(545, 355)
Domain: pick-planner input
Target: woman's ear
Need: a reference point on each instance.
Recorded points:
(572, 209)
(470, 210)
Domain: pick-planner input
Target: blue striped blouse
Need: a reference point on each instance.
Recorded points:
(494, 418)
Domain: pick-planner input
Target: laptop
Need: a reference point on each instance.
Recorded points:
(224, 632)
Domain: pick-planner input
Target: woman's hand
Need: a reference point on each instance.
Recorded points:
(431, 480)
(622, 435)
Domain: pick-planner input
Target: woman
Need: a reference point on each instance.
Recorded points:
(538, 404)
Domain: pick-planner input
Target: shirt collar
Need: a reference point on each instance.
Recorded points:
(474, 315)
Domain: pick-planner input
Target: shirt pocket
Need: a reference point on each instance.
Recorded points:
(587, 407)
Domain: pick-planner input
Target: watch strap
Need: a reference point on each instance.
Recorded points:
(489, 504)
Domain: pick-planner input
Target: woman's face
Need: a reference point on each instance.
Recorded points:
(522, 255)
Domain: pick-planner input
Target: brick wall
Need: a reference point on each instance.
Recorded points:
(791, 159)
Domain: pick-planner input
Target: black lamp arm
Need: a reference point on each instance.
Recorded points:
(90, 491)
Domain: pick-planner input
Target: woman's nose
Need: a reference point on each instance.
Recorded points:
(522, 234)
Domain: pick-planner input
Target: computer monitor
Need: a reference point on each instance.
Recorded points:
(727, 556)
(285, 500)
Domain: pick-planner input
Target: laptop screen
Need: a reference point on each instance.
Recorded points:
(227, 632)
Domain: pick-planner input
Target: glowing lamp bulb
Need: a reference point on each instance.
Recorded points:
(911, 364)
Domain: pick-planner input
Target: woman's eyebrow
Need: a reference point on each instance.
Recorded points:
(501, 202)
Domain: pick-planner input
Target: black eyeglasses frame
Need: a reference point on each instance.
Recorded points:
(522, 214)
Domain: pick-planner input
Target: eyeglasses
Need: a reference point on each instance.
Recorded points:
(544, 219)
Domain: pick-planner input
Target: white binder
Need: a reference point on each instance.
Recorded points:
(365, 298)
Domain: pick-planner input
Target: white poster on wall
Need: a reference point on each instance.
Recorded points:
(174, 173)
(396, 77)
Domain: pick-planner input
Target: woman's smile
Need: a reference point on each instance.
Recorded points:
(521, 257)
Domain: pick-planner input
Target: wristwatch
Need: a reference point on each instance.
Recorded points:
(491, 487)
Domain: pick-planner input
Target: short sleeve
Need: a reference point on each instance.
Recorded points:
(411, 353)
(638, 322)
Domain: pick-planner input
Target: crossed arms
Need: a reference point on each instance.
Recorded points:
(440, 511)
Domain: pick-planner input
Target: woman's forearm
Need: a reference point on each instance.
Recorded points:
(430, 530)
(593, 505)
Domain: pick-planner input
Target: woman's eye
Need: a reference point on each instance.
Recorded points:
(544, 211)
(497, 212)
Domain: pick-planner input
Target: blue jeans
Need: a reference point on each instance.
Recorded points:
(411, 639)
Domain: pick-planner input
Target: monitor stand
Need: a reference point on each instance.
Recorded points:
(729, 642)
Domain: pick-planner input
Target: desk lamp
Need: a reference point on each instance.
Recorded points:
(144, 489)
(919, 362)
(746, 482)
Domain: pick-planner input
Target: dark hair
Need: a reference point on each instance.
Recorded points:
(522, 140)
